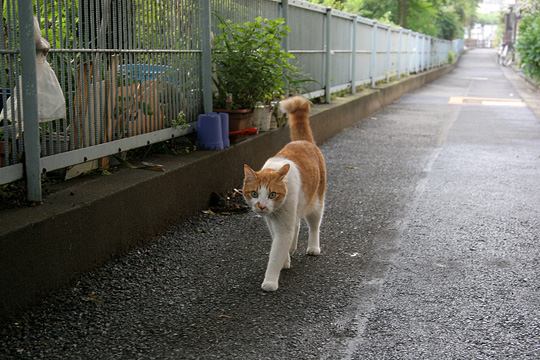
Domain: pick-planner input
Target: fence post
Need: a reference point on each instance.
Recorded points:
(426, 49)
(417, 41)
(436, 63)
(438, 53)
(422, 44)
(429, 52)
(373, 62)
(328, 57)
(285, 43)
(400, 39)
(388, 48)
(409, 52)
(422, 38)
(32, 148)
(206, 60)
(353, 56)
(426, 52)
(440, 57)
(434, 54)
(285, 16)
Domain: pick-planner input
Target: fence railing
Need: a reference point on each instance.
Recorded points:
(132, 71)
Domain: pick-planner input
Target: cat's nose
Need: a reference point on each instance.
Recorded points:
(260, 206)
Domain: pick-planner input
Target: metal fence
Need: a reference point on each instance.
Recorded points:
(129, 70)
(132, 70)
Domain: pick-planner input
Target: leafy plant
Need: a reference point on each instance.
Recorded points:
(528, 45)
(451, 57)
(250, 63)
(180, 121)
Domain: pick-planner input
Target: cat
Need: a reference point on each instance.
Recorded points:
(290, 186)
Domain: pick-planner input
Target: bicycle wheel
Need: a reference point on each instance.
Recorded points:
(509, 58)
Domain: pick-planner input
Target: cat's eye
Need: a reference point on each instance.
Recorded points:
(254, 194)
(272, 195)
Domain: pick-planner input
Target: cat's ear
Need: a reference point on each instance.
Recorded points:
(249, 173)
(283, 171)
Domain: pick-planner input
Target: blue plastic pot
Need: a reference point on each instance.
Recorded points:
(209, 132)
(225, 129)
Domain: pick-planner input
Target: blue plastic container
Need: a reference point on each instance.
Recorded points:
(145, 72)
(225, 129)
(209, 133)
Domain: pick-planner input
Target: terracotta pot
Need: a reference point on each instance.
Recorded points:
(238, 119)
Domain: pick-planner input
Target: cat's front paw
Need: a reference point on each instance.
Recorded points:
(269, 286)
(313, 251)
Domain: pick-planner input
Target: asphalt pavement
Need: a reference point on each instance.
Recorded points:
(430, 250)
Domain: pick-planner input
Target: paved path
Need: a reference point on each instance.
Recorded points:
(430, 251)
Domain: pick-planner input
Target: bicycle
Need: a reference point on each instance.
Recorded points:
(506, 55)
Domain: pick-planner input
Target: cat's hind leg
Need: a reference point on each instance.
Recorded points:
(294, 243)
(313, 220)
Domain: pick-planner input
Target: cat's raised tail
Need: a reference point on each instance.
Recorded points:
(298, 109)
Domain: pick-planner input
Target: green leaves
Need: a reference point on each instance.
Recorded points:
(528, 44)
(250, 63)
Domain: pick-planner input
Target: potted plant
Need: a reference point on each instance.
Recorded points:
(250, 66)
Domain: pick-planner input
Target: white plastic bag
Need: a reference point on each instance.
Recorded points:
(50, 98)
(51, 101)
(42, 44)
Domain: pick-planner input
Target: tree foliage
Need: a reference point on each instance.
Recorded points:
(493, 18)
(440, 18)
(528, 44)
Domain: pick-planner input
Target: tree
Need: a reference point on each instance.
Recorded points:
(488, 19)
(403, 7)
(441, 18)
(528, 43)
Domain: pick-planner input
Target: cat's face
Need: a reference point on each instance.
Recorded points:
(265, 190)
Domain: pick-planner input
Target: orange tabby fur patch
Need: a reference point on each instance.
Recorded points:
(298, 109)
(310, 163)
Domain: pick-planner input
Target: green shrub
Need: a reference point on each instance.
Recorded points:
(528, 45)
(451, 57)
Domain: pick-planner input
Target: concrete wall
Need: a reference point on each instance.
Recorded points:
(84, 225)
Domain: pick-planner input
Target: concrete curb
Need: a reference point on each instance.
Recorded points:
(83, 226)
(529, 80)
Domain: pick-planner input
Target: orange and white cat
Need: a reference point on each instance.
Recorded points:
(289, 187)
